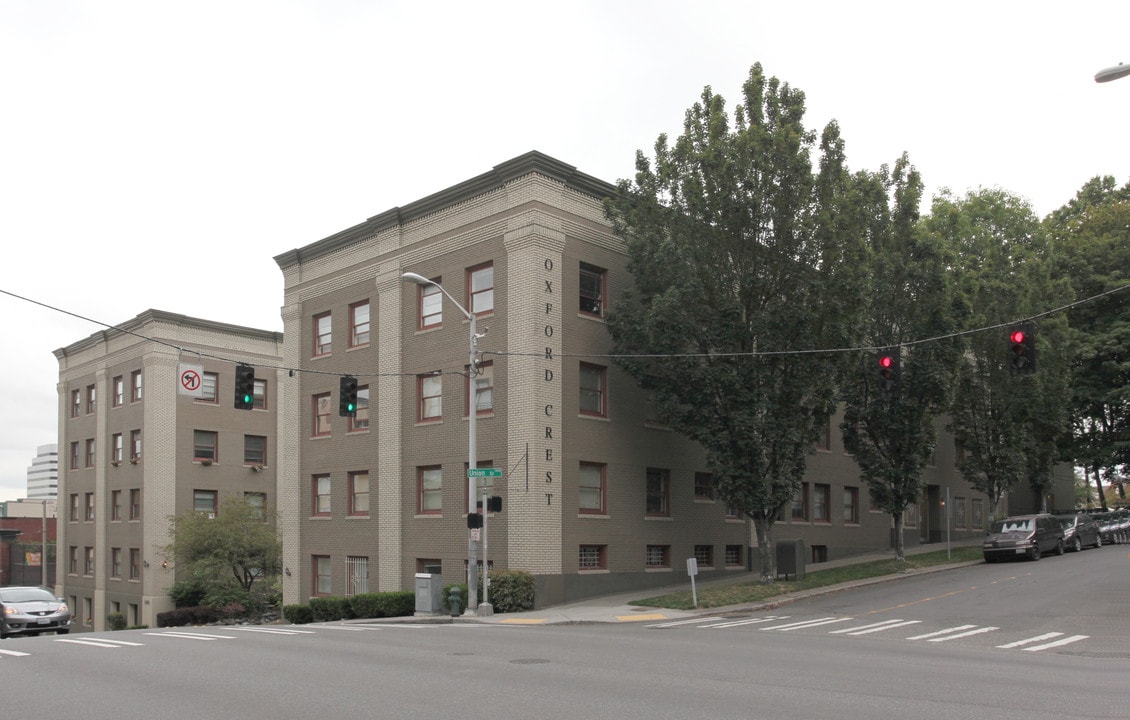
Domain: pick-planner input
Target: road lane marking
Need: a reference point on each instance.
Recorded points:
(968, 633)
(99, 642)
(874, 627)
(915, 602)
(746, 621)
(1058, 643)
(1038, 638)
(13, 653)
(193, 636)
(676, 623)
(941, 632)
(807, 624)
(275, 631)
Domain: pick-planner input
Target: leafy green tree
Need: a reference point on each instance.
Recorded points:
(236, 548)
(746, 266)
(1092, 232)
(891, 432)
(1008, 426)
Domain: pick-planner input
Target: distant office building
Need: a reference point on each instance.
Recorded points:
(137, 450)
(43, 475)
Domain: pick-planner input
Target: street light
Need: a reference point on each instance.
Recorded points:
(472, 483)
(1112, 73)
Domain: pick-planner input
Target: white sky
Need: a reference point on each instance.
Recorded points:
(160, 154)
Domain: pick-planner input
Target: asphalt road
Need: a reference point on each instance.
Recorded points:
(626, 671)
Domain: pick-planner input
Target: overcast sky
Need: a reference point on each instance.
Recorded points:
(160, 154)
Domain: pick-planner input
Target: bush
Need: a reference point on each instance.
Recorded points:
(326, 609)
(116, 621)
(298, 614)
(188, 593)
(511, 591)
(199, 615)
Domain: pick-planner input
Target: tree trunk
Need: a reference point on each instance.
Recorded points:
(900, 547)
(768, 565)
(1099, 488)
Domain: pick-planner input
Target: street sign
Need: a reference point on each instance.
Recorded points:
(190, 380)
(484, 472)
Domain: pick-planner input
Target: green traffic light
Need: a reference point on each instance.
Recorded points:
(351, 407)
(247, 399)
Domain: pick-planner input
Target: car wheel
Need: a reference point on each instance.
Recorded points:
(1059, 548)
(1098, 541)
(1035, 552)
(1077, 545)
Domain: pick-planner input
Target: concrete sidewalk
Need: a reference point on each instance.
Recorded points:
(616, 608)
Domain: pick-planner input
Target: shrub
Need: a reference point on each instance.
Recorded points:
(512, 591)
(199, 615)
(326, 609)
(188, 593)
(116, 621)
(298, 614)
(398, 604)
(366, 605)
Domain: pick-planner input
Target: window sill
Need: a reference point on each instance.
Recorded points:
(593, 571)
(594, 516)
(321, 517)
(589, 416)
(657, 570)
(660, 518)
(428, 516)
(704, 500)
(429, 422)
(591, 316)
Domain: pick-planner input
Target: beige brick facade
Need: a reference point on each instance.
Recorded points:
(536, 222)
(164, 474)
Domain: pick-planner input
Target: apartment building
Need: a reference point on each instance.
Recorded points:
(138, 447)
(598, 495)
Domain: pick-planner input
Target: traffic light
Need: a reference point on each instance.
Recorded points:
(494, 504)
(1022, 348)
(474, 521)
(347, 397)
(889, 361)
(244, 387)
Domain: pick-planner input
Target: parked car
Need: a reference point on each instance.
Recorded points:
(32, 610)
(1027, 536)
(1121, 520)
(1079, 531)
(1108, 527)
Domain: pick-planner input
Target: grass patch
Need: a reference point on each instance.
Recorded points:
(755, 592)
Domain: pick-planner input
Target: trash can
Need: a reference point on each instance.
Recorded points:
(790, 559)
(429, 594)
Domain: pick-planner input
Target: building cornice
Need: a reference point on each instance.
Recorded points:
(532, 162)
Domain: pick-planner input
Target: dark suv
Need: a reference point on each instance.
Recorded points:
(1028, 536)
(1079, 531)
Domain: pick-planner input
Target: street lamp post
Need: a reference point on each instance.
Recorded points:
(1112, 73)
(472, 482)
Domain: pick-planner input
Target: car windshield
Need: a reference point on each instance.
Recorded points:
(18, 595)
(1012, 525)
(1067, 522)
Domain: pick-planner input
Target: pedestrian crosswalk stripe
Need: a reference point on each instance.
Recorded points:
(747, 621)
(807, 624)
(98, 642)
(941, 632)
(967, 633)
(192, 636)
(1058, 643)
(875, 627)
(1038, 638)
(691, 621)
(13, 653)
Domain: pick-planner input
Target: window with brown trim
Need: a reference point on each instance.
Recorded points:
(358, 493)
(429, 299)
(593, 398)
(480, 289)
(429, 485)
(359, 324)
(320, 423)
(323, 334)
(592, 290)
(360, 418)
(591, 494)
(482, 379)
(658, 496)
(321, 487)
(430, 391)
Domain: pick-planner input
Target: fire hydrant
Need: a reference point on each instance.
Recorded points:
(455, 600)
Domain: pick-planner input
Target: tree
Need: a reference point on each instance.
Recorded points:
(1007, 425)
(1092, 232)
(237, 547)
(746, 266)
(890, 432)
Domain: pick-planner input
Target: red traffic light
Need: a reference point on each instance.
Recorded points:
(886, 361)
(1018, 337)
